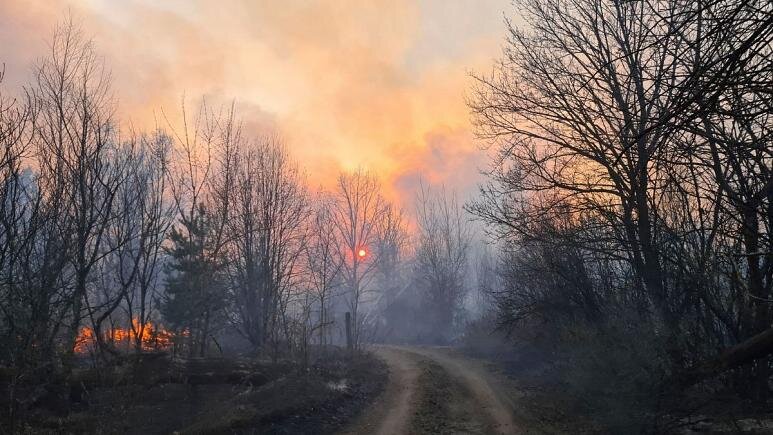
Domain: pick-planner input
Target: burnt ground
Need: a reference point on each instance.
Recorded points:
(544, 403)
(206, 396)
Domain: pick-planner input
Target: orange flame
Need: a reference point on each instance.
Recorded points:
(152, 337)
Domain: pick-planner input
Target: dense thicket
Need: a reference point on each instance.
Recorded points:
(631, 185)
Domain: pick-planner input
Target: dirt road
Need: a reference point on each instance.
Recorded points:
(436, 390)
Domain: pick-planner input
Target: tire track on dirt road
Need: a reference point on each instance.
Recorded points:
(392, 410)
(474, 403)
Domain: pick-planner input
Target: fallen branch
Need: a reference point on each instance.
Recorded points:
(756, 347)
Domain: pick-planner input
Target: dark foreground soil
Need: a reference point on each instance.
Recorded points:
(445, 405)
(433, 412)
(545, 404)
(207, 396)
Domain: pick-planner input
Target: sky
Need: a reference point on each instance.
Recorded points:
(378, 84)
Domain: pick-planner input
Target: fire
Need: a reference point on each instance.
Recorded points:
(152, 337)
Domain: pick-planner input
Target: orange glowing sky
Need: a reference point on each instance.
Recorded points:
(378, 84)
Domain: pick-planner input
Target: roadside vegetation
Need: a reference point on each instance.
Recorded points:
(631, 198)
(152, 393)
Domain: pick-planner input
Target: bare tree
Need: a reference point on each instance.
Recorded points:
(77, 154)
(440, 269)
(131, 273)
(357, 214)
(734, 125)
(391, 249)
(323, 264)
(266, 236)
(30, 304)
(154, 215)
(577, 107)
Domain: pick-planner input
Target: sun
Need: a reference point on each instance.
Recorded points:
(362, 253)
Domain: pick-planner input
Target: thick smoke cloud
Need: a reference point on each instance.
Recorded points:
(347, 84)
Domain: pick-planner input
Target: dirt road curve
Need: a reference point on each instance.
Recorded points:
(436, 390)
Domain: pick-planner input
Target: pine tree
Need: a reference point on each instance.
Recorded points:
(194, 300)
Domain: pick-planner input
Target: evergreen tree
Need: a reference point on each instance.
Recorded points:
(194, 299)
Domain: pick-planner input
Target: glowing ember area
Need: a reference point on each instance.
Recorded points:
(152, 337)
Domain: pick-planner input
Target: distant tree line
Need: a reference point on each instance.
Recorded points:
(631, 190)
(115, 241)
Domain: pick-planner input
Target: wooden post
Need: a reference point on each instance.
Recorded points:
(349, 344)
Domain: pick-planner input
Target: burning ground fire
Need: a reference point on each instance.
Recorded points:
(152, 337)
